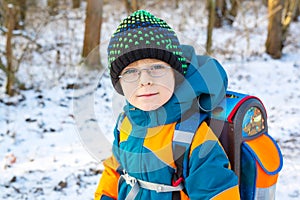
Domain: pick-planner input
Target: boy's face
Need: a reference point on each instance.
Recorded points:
(148, 83)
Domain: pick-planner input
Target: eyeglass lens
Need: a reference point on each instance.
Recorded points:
(133, 74)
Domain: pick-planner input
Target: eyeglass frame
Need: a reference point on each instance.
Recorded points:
(148, 72)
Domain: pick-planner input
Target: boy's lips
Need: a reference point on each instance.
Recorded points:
(148, 94)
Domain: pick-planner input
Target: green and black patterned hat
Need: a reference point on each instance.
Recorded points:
(142, 35)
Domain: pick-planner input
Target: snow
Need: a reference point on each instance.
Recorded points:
(53, 138)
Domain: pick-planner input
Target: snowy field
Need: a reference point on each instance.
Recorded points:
(53, 138)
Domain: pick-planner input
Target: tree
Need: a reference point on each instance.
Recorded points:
(265, 2)
(220, 13)
(297, 12)
(52, 5)
(177, 3)
(225, 11)
(10, 72)
(235, 4)
(92, 32)
(20, 7)
(23, 9)
(289, 11)
(211, 21)
(131, 5)
(76, 3)
(280, 16)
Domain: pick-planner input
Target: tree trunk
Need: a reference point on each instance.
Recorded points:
(297, 12)
(131, 5)
(11, 12)
(281, 15)
(92, 32)
(177, 4)
(76, 3)
(20, 8)
(274, 41)
(265, 2)
(128, 6)
(289, 12)
(52, 5)
(219, 13)
(23, 9)
(134, 5)
(210, 25)
(233, 11)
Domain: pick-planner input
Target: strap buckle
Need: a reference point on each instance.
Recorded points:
(177, 182)
(129, 179)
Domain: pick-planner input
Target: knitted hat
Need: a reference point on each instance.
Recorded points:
(142, 35)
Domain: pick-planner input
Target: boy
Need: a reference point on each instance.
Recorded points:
(164, 83)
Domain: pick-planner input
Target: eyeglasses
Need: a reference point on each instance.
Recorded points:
(133, 74)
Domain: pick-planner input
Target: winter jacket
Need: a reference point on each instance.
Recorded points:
(143, 142)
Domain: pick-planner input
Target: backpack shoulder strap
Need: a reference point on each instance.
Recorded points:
(182, 139)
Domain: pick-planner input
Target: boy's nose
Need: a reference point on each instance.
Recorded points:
(145, 78)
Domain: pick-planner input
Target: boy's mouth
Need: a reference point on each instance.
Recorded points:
(148, 95)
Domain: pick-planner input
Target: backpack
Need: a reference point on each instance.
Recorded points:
(240, 122)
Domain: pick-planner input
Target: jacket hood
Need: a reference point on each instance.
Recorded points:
(205, 82)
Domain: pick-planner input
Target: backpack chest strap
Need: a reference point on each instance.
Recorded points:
(136, 184)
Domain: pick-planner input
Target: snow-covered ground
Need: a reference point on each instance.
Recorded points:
(53, 138)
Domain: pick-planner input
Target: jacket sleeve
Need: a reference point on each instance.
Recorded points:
(108, 186)
(209, 167)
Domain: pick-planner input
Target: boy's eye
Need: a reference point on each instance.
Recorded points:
(155, 67)
(130, 71)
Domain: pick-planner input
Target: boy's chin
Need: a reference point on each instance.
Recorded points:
(148, 107)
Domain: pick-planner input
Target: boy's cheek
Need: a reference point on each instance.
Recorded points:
(129, 90)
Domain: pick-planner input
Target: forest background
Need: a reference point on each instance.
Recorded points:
(52, 68)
